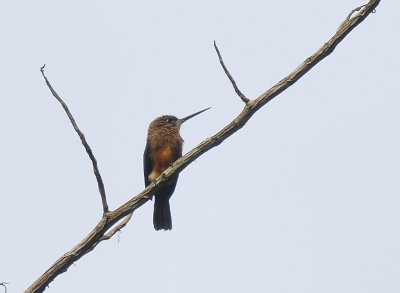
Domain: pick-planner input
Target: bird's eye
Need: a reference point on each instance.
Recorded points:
(168, 120)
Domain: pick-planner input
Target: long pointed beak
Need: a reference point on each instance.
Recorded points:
(182, 120)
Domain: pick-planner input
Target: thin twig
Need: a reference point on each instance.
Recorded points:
(112, 218)
(4, 285)
(84, 142)
(117, 228)
(237, 90)
(355, 10)
(350, 15)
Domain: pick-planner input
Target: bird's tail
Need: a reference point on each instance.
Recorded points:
(162, 214)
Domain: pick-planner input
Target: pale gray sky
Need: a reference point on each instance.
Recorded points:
(305, 198)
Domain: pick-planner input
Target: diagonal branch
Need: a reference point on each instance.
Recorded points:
(237, 90)
(84, 142)
(110, 219)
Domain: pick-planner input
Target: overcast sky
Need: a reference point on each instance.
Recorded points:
(305, 198)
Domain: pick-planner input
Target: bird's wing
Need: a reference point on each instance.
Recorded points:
(147, 164)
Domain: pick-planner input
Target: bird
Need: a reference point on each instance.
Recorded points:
(163, 147)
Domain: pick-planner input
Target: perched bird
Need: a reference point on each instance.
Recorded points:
(163, 147)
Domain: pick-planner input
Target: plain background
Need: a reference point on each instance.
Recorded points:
(305, 198)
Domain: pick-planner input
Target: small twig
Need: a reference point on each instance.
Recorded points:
(350, 15)
(84, 142)
(117, 228)
(4, 285)
(355, 10)
(237, 90)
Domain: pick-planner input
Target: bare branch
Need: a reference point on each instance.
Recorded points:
(112, 218)
(84, 142)
(237, 90)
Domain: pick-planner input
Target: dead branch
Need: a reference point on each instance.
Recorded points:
(84, 142)
(111, 218)
(237, 90)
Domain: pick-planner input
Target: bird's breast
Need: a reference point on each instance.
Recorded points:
(162, 159)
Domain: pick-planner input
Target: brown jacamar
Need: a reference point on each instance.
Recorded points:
(163, 147)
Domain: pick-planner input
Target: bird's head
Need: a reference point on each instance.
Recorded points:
(165, 122)
(171, 122)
